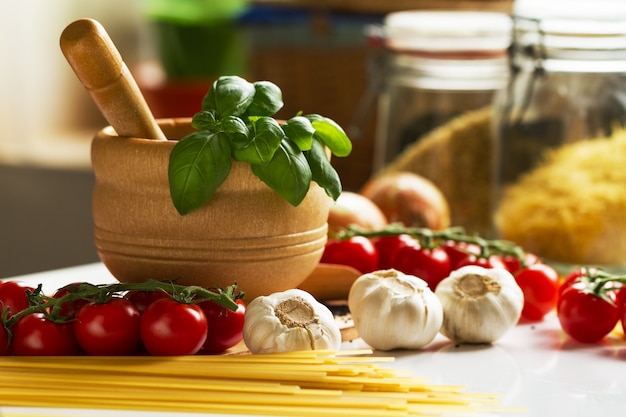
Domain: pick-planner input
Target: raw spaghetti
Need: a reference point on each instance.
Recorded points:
(291, 384)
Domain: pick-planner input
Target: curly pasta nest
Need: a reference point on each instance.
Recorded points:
(572, 207)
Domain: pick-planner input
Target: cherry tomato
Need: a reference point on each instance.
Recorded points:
(14, 297)
(358, 252)
(225, 326)
(387, 247)
(108, 329)
(573, 277)
(584, 316)
(540, 285)
(576, 276)
(431, 265)
(170, 328)
(492, 261)
(5, 345)
(69, 309)
(142, 299)
(623, 318)
(35, 335)
(458, 251)
(514, 265)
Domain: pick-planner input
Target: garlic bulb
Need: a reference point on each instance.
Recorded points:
(479, 304)
(392, 310)
(289, 321)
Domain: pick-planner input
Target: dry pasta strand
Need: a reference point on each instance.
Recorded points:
(305, 384)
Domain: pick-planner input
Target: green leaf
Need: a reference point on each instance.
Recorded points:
(331, 135)
(263, 140)
(198, 165)
(233, 124)
(300, 131)
(268, 99)
(322, 171)
(204, 120)
(235, 129)
(229, 96)
(288, 173)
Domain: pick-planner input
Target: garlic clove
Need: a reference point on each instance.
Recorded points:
(479, 304)
(289, 321)
(392, 310)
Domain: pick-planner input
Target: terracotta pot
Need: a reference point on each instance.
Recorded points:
(246, 233)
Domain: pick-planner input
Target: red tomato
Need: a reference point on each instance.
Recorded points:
(358, 252)
(170, 328)
(458, 251)
(387, 247)
(584, 316)
(572, 278)
(514, 265)
(623, 317)
(540, 285)
(5, 345)
(142, 299)
(492, 261)
(13, 296)
(225, 326)
(69, 309)
(431, 265)
(35, 335)
(108, 329)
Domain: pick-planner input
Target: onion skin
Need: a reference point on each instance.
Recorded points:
(410, 199)
(352, 209)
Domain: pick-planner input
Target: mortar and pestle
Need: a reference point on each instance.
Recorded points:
(246, 233)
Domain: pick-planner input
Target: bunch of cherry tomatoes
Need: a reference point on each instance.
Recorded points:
(589, 302)
(152, 318)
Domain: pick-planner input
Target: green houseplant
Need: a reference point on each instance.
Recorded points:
(236, 123)
(197, 39)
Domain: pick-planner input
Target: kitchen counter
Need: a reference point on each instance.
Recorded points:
(535, 367)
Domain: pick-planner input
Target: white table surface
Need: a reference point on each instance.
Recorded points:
(534, 366)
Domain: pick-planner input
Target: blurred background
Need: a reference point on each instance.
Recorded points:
(315, 50)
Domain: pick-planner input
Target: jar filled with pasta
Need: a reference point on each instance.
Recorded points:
(560, 138)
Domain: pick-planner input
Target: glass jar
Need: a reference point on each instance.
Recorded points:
(439, 64)
(560, 192)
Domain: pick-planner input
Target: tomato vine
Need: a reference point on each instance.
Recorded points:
(52, 307)
(429, 238)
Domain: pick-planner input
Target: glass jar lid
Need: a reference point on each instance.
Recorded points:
(572, 24)
(446, 32)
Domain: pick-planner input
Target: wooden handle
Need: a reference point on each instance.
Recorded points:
(100, 68)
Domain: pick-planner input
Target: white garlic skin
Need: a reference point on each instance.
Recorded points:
(265, 332)
(392, 310)
(482, 317)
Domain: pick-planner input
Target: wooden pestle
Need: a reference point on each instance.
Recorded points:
(100, 68)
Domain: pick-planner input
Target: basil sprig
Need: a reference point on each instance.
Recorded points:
(236, 123)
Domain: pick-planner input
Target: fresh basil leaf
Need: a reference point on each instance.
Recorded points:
(268, 99)
(204, 120)
(263, 140)
(300, 131)
(331, 135)
(322, 171)
(234, 124)
(229, 96)
(236, 130)
(198, 165)
(288, 173)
